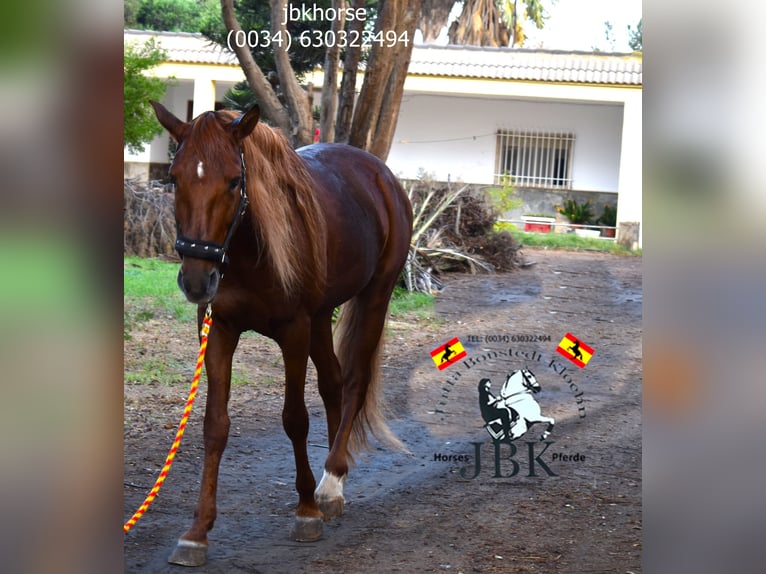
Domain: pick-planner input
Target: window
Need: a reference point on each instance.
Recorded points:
(535, 158)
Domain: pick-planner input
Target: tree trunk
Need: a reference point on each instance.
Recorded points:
(377, 109)
(434, 18)
(330, 87)
(394, 90)
(297, 102)
(270, 105)
(378, 69)
(347, 94)
(479, 24)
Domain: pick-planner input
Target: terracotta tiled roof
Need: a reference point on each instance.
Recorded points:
(529, 65)
(446, 61)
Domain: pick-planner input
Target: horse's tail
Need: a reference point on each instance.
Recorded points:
(359, 341)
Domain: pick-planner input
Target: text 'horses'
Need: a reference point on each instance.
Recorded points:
(296, 234)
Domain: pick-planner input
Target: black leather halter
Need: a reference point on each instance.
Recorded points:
(216, 252)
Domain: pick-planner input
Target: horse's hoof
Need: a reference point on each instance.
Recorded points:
(306, 529)
(331, 507)
(189, 553)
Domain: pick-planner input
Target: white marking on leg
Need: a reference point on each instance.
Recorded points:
(330, 487)
(200, 170)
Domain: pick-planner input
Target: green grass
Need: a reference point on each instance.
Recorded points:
(404, 303)
(570, 242)
(150, 290)
(154, 370)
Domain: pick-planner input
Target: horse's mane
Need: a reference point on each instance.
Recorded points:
(288, 218)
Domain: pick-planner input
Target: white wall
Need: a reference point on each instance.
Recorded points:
(179, 92)
(454, 136)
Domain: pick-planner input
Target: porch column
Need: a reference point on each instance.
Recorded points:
(204, 95)
(629, 182)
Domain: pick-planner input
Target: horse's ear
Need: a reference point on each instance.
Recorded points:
(245, 124)
(175, 127)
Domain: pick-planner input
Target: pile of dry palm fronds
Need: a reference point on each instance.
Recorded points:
(149, 221)
(453, 230)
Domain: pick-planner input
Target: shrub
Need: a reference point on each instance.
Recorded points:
(608, 216)
(577, 213)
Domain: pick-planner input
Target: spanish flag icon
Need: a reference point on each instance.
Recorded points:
(448, 354)
(575, 350)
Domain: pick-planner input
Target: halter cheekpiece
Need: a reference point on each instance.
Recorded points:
(209, 250)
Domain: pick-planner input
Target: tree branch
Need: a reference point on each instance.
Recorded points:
(297, 99)
(330, 87)
(407, 21)
(270, 105)
(348, 83)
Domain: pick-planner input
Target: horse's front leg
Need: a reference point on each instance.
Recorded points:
(191, 549)
(295, 340)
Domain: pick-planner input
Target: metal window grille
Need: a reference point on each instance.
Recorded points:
(534, 159)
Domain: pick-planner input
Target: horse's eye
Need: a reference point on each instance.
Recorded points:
(234, 184)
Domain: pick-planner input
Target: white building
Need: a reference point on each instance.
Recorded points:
(560, 124)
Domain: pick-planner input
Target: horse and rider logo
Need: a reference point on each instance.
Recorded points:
(510, 414)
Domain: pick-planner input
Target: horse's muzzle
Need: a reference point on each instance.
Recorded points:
(199, 285)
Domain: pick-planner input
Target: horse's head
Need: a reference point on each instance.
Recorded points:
(530, 382)
(208, 173)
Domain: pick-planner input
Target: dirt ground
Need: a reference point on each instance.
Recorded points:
(570, 504)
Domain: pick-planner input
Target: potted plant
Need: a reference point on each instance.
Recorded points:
(609, 218)
(579, 215)
(538, 223)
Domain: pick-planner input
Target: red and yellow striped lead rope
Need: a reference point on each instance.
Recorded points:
(206, 323)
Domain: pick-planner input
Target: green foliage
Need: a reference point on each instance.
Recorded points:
(501, 226)
(504, 198)
(140, 124)
(130, 13)
(171, 15)
(240, 97)
(404, 303)
(156, 371)
(609, 33)
(256, 15)
(636, 40)
(150, 288)
(577, 213)
(608, 216)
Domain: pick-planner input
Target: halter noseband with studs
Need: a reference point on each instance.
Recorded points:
(216, 252)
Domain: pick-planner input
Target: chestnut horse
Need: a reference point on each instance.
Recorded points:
(275, 240)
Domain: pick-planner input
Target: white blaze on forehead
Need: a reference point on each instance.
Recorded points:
(200, 170)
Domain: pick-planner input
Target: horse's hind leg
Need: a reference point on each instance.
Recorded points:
(361, 330)
(549, 429)
(192, 546)
(329, 494)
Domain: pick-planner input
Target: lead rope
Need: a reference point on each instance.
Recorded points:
(206, 323)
